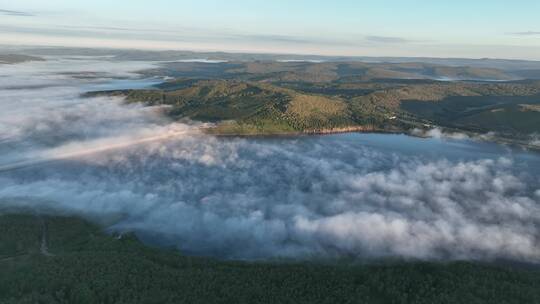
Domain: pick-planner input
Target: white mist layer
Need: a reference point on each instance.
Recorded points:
(334, 196)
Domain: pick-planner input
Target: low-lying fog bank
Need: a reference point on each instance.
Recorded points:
(360, 195)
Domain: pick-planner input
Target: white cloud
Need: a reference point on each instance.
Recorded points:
(239, 198)
(439, 134)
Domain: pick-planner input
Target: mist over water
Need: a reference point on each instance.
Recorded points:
(359, 195)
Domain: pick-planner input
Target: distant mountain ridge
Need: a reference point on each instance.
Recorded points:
(129, 54)
(17, 58)
(275, 71)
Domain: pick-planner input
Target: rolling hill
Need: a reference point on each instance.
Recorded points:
(260, 107)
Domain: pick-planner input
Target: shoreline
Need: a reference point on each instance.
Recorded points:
(358, 129)
(471, 136)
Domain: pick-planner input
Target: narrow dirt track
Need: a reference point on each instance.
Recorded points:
(44, 248)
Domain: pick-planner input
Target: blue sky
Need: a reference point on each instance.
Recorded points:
(456, 28)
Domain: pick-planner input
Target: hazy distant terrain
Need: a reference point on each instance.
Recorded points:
(502, 64)
(331, 71)
(14, 58)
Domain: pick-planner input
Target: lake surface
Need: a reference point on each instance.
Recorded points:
(346, 195)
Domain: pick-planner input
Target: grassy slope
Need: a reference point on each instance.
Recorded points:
(258, 108)
(299, 97)
(90, 267)
(250, 107)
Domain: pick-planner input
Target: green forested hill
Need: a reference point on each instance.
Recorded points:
(66, 260)
(242, 107)
(255, 107)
